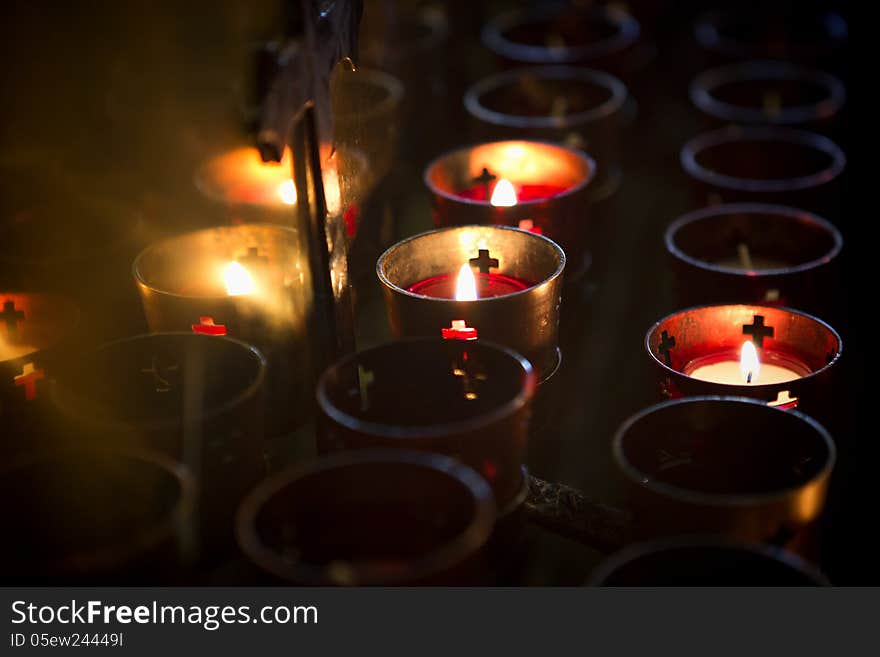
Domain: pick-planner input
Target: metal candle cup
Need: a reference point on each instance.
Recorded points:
(722, 465)
(186, 285)
(767, 164)
(599, 36)
(467, 399)
(35, 330)
(87, 517)
(754, 252)
(789, 339)
(768, 92)
(373, 517)
(174, 393)
(527, 320)
(802, 35)
(551, 184)
(578, 107)
(696, 561)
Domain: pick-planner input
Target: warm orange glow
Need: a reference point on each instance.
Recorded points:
(504, 195)
(238, 280)
(466, 286)
(287, 192)
(749, 365)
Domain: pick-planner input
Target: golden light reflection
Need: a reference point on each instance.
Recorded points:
(238, 280)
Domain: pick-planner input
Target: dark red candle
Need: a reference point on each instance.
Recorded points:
(524, 193)
(488, 285)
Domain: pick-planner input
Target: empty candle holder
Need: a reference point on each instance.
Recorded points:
(537, 186)
(766, 164)
(251, 282)
(578, 107)
(801, 34)
(781, 356)
(757, 253)
(87, 517)
(696, 561)
(492, 282)
(36, 330)
(600, 36)
(768, 92)
(720, 465)
(173, 393)
(465, 398)
(373, 517)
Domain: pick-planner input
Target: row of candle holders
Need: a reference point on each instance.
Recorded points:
(423, 440)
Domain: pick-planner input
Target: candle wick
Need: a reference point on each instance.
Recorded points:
(742, 249)
(749, 378)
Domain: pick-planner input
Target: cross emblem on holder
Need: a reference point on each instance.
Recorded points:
(459, 330)
(206, 326)
(758, 330)
(485, 179)
(28, 379)
(484, 262)
(667, 342)
(529, 225)
(11, 317)
(253, 260)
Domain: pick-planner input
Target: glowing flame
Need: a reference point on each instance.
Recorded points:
(466, 286)
(287, 192)
(749, 365)
(237, 279)
(504, 195)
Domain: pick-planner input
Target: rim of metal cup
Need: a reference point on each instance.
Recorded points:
(691, 496)
(383, 80)
(795, 214)
(704, 84)
(140, 280)
(587, 160)
(627, 33)
(396, 432)
(112, 556)
(631, 553)
(58, 397)
(708, 33)
(759, 386)
(383, 277)
(52, 299)
(473, 97)
(454, 551)
(732, 134)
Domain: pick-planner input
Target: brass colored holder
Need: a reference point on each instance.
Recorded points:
(395, 517)
(526, 321)
(721, 465)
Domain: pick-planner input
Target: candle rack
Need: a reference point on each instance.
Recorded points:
(727, 466)
(768, 92)
(526, 320)
(578, 107)
(767, 164)
(471, 400)
(36, 330)
(781, 335)
(551, 183)
(172, 393)
(600, 36)
(758, 253)
(693, 561)
(395, 517)
(128, 521)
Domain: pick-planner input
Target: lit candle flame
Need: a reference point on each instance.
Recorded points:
(466, 286)
(238, 280)
(287, 192)
(504, 195)
(749, 365)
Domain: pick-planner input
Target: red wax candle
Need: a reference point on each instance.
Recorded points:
(524, 193)
(488, 285)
